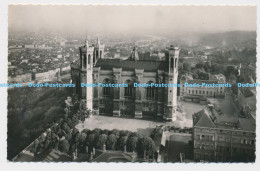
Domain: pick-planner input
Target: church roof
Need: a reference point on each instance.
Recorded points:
(127, 65)
(202, 119)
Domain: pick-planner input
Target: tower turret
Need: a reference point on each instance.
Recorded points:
(134, 55)
(98, 42)
(98, 51)
(172, 57)
(86, 70)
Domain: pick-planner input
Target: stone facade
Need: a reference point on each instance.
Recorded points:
(131, 101)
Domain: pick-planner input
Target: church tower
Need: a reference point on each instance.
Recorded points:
(172, 58)
(98, 51)
(134, 55)
(86, 70)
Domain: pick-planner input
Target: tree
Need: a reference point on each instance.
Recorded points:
(75, 131)
(146, 144)
(149, 146)
(195, 76)
(86, 131)
(230, 70)
(66, 127)
(68, 136)
(90, 140)
(105, 131)
(124, 133)
(59, 132)
(111, 141)
(96, 131)
(72, 148)
(81, 137)
(53, 113)
(101, 141)
(136, 134)
(70, 123)
(203, 76)
(122, 142)
(132, 143)
(115, 132)
(186, 66)
(75, 121)
(156, 135)
(64, 146)
(199, 65)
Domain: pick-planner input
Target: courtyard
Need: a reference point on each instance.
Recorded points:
(146, 126)
(190, 108)
(226, 105)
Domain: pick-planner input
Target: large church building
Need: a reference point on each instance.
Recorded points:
(130, 101)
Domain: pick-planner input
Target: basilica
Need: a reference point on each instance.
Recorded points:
(130, 101)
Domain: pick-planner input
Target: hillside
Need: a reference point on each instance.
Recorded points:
(234, 39)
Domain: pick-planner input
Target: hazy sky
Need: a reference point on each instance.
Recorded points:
(133, 18)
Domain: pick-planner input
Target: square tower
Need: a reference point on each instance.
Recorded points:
(86, 71)
(171, 78)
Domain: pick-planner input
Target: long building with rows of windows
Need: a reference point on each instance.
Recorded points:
(130, 101)
(187, 90)
(219, 137)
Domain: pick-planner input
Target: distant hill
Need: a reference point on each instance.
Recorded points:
(233, 39)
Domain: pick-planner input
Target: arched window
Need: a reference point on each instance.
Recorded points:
(95, 57)
(171, 66)
(89, 59)
(85, 61)
(100, 54)
(175, 62)
(129, 90)
(150, 91)
(106, 89)
(96, 53)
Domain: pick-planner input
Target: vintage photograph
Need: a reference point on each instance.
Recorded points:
(131, 83)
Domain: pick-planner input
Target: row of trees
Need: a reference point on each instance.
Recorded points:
(65, 137)
(117, 140)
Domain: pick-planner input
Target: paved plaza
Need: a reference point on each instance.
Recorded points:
(190, 108)
(146, 126)
(139, 125)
